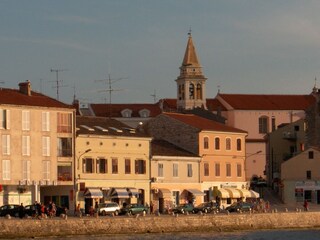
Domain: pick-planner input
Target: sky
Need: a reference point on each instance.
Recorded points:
(244, 46)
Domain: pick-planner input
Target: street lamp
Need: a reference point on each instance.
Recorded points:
(74, 176)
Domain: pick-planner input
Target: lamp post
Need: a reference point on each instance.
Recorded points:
(75, 192)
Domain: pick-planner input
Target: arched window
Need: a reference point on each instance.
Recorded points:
(217, 143)
(263, 124)
(238, 144)
(228, 144)
(199, 91)
(182, 91)
(191, 91)
(205, 142)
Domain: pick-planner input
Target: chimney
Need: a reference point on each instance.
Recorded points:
(25, 87)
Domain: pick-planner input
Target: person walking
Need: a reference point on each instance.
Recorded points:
(21, 211)
(306, 205)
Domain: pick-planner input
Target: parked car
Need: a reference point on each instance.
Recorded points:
(108, 208)
(133, 209)
(207, 207)
(11, 209)
(183, 208)
(30, 210)
(240, 207)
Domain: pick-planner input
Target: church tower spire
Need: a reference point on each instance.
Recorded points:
(191, 81)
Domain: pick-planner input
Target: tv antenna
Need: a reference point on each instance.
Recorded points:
(58, 81)
(109, 81)
(154, 95)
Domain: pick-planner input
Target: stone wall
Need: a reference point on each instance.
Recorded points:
(14, 228)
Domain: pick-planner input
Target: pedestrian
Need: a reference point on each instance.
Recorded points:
(21, 211)
(151, 207)
(78, 211)
(306, 205)
(267, 206)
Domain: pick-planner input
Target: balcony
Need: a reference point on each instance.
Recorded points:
(289, 135)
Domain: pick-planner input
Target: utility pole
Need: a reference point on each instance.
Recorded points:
(57, 79)
(109, 89)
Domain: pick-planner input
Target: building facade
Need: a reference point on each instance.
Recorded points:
(37, 139)
(112, 163)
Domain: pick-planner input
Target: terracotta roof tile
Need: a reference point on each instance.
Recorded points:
(105, 123)
(164, 148)
(268, 102)
(202, 123)
(104, 110)
(15, 97)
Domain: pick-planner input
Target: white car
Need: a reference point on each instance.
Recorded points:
(108, 208)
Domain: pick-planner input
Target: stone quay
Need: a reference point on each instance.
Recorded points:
(32, 228)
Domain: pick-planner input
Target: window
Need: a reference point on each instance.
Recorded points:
(102, 166)
(46, 146)
(25, 120)
(6, 144)
(127, 167)
(175, 170)
(140, 166)
(228, 170)
(310, 153)
(160, 169)
(199, 91)
(273, 123)
(26, 166)
(64, 147)
(6, 170)
(191, 91)
(228, 144)
(205, 142)
(189, 174)
(64, 122)
(217, 143)
(182, 91)
(114, 166)
(25, 145)
(45, 121)
(263, 124)
(239, 172)
(206, 169)
(144, 113)
(4, 119)
(46, 170)
(308, 174)
(64, 171)
(126, 113)
(88, 164)
(239, 144)
(217, 169)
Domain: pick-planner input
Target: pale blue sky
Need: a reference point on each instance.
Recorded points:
(244, 46)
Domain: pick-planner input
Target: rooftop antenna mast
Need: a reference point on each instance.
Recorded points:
(109, 89)
(58, 85)
(154, 95)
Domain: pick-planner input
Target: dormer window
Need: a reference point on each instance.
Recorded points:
(126, 113)
(144, 113)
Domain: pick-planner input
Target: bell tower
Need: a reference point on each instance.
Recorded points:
(191, 85)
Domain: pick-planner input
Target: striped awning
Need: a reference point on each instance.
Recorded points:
(233, 193)
(223, 193)
(254, 194)
(245, 193)
(133, 192)
(195, 192)
(93, 193)
(119, 193)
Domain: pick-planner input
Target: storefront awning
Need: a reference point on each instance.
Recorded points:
(233, 192)
(164, 193)
(245, 193)
(223, 193)
(133, 192)
(92, 193)
(119, 193)
(254, 194)
(195, 192)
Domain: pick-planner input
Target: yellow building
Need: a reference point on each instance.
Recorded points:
(37, 141)
(112, 163)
